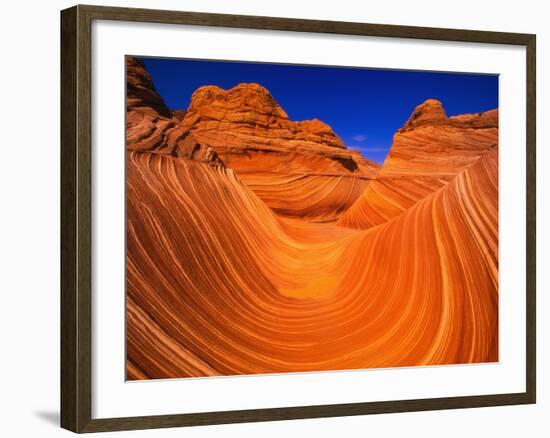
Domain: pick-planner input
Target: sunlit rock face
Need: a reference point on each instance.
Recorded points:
(297, 168)
(428, 152)
(250, 249)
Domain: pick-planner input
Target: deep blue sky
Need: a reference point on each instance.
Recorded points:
(364, 106)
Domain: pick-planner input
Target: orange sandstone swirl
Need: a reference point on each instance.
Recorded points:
(217, 284)
(300, 169)
(427, 153)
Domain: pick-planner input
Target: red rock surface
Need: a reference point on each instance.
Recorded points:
(430, 112)
(217, 284)
(427, 152)
(152, 127)
(141, 94)
(227, 273)
(297, 168)
(247, 116)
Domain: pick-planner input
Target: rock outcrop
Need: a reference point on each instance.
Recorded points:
(152, 127)
(252, 133)
(233, 268)
(430, 112)
(141, 94)
(429, 151)
(300, 169)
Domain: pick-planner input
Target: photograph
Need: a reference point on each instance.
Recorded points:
(266, 219)
(289, 218)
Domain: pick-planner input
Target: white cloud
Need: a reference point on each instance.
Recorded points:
(359, 137)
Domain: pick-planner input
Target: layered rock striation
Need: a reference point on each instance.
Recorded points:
(300, 169)
(217, 285)
(428, 152)
(235, 263)
(152, 127)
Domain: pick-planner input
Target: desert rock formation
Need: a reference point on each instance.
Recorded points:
(297, 168)
(429, 151)
(232, 267)
(206, 298)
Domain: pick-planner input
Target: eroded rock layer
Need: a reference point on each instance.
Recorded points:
(430, 150)
(235, 290)
(236, 264)
(297, 168)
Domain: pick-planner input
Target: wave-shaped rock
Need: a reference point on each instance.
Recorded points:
(235, 265)
(299, 169)
(428, 152)
(235, 290)
(301, 165)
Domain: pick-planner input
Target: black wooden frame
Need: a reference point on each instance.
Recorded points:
(76, 173)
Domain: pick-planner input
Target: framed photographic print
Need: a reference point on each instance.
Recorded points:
(268, 218)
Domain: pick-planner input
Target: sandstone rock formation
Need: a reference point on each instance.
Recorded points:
(141, 94)
(297, 168)
(217, 285)
(151, 126)
(427, 152)
(246, 121)
(235, 265)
